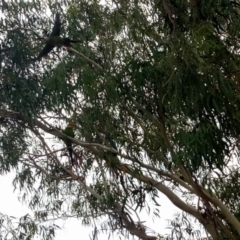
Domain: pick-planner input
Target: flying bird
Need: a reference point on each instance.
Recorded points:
(54, 39)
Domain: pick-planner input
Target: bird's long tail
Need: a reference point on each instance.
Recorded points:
(70, 150)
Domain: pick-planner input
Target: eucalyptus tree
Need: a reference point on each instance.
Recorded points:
(152, 90)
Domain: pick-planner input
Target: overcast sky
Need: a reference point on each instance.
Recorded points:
(72, 229)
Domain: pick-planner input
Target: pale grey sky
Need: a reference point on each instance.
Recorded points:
(72, 228)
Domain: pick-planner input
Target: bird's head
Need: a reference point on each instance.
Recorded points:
(70, 125)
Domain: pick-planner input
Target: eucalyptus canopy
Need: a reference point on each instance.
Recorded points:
(153, 91)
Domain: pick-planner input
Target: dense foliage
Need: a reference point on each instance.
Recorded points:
(153, 92)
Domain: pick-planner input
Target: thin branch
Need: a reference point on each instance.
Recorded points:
(85, 58)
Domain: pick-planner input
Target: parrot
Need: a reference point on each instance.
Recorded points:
(54, 39)
(69, 132)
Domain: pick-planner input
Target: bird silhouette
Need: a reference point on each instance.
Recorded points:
(54, 39)
(70, 133)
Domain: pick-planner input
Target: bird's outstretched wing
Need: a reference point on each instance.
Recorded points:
(57, 26)
(55, 32)
(47, 49)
